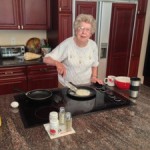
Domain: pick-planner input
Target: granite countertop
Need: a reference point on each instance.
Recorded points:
(123, 128)
(19, 62)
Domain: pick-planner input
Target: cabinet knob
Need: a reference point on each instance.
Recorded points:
(21, 26)
(18, 27)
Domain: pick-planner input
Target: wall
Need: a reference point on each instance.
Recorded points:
(144, 42)
(19, 37)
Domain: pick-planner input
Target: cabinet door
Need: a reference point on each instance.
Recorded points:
(137, 40)
(136, 46)
(142, 6)
(42, 77)
(86, 8)
(65, 6)
(122, 22)
(35, 14)
(12, 78)
(65, 26)
(8, 14)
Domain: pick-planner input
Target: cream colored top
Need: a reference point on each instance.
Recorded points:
(78, 61)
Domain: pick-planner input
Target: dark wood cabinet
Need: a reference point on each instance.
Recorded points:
(65, 27)
(12, 78)
(9, 14)
(86, 8)
(27, 78)
(65, 20)
(24, 14)
(65, 6)
(142, 6)
(121, 31)
(61, 21)
(41, 77)
(137, 38)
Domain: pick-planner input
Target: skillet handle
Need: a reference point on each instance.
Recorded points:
(18, 90)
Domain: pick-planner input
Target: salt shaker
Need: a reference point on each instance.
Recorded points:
(62, 116)
(68, 121)
(54, 123)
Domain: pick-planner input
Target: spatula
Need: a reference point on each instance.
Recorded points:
(71, 86)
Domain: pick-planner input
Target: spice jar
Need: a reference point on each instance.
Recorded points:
(54, 123)
(62, 116)
(68, 121)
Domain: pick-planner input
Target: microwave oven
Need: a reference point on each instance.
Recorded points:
(11, 51)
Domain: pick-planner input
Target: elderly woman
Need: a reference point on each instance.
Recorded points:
(76, 58)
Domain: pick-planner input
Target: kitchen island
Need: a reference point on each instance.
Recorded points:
(122, 128)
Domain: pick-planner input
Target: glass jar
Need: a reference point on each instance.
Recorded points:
(68, 121)
(62, 116)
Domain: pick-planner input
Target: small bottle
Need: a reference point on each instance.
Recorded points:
(68, 121)
(54, 123)
(62, 116)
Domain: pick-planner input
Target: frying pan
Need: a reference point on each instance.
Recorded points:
(37, 95)
(74, 96)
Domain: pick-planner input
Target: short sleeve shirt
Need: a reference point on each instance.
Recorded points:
(77, 60)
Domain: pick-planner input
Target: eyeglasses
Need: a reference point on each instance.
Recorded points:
(81, 29)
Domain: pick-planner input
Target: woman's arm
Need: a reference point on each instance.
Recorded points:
(94, 76)
(60, 67)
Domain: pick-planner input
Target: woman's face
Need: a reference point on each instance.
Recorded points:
(83, 33)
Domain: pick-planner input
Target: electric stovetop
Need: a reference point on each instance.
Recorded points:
(34, 114)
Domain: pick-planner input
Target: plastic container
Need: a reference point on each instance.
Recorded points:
(54, 123)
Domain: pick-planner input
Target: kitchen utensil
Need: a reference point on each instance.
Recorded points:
(38, 95)
(71, 86)
(122, 82)
(74, 96)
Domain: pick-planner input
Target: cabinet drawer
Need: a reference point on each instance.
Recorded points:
(41, 69)
(8, 86)
(12, 72)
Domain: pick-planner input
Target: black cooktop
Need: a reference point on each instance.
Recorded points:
(33, 113)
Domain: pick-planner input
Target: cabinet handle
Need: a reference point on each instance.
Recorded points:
(46, 70)
(21, 26)
(18, 27)
(59, 8)
(132, 55)
(138, 12)
(9, 72)
(41, 69)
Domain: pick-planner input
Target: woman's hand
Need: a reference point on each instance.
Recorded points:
(60, 68)
(95, 79)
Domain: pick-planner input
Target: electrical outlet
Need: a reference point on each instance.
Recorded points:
(13, 41)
